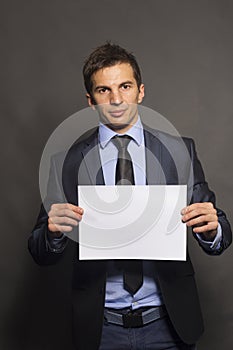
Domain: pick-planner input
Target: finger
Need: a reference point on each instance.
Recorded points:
(78, 210)
(195, 206)
(65, 213)
(59, 206)
(199, 212)
(60, 228)
(62, 220)
(205, 228)
(202, 220)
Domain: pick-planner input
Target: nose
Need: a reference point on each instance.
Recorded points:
(116, 98)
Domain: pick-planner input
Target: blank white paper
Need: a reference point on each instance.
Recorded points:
(132, 222)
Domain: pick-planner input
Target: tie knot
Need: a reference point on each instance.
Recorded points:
(121, 142)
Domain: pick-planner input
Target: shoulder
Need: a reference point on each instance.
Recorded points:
(73, 154)
(170, 141)
(84, 141)
(88, 138)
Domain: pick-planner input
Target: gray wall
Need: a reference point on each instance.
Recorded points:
(185, 49)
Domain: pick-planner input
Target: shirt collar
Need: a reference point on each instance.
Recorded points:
(106, 134)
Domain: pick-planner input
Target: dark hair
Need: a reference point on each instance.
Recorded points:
(108, 55)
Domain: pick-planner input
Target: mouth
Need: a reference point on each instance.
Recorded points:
(117, 113)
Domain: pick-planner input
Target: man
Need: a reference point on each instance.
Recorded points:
(163, 311)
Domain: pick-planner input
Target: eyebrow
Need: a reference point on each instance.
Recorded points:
(130, 82)
(107, 87)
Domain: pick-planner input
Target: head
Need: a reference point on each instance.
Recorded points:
(108, 55)
(113, 82)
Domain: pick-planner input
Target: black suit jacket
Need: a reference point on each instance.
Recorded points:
(169, 160)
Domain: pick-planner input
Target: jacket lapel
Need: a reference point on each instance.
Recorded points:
(160, 167)
(82, 167)
(91, 164)
(153, 153)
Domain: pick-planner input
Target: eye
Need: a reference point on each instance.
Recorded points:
(102, 90)
(126, 86)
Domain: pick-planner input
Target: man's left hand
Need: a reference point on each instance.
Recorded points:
(203, 219)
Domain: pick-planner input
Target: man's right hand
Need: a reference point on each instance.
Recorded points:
(63, 217)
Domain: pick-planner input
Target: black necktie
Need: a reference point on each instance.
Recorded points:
(132, 269)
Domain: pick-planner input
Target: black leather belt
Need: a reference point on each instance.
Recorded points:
(134, 318)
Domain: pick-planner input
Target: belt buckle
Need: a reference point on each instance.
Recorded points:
(132, 320)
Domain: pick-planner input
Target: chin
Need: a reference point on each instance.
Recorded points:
(117, 126)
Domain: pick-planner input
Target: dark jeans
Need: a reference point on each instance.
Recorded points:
(157, 335)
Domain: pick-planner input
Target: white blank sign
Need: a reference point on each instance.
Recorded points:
(132, 222)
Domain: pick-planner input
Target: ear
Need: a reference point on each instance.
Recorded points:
(90, 101)
(141, 93)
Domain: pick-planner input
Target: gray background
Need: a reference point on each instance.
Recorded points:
(185, 49)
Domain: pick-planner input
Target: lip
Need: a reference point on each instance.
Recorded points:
(117, 113)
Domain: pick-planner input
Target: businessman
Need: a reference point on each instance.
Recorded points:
(128, 304)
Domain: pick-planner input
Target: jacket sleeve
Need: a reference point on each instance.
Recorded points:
(39, 244)
(202, 193)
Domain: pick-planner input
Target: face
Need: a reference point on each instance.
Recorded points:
(115, 95)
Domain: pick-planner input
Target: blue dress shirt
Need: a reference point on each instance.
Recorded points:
(116, 296)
